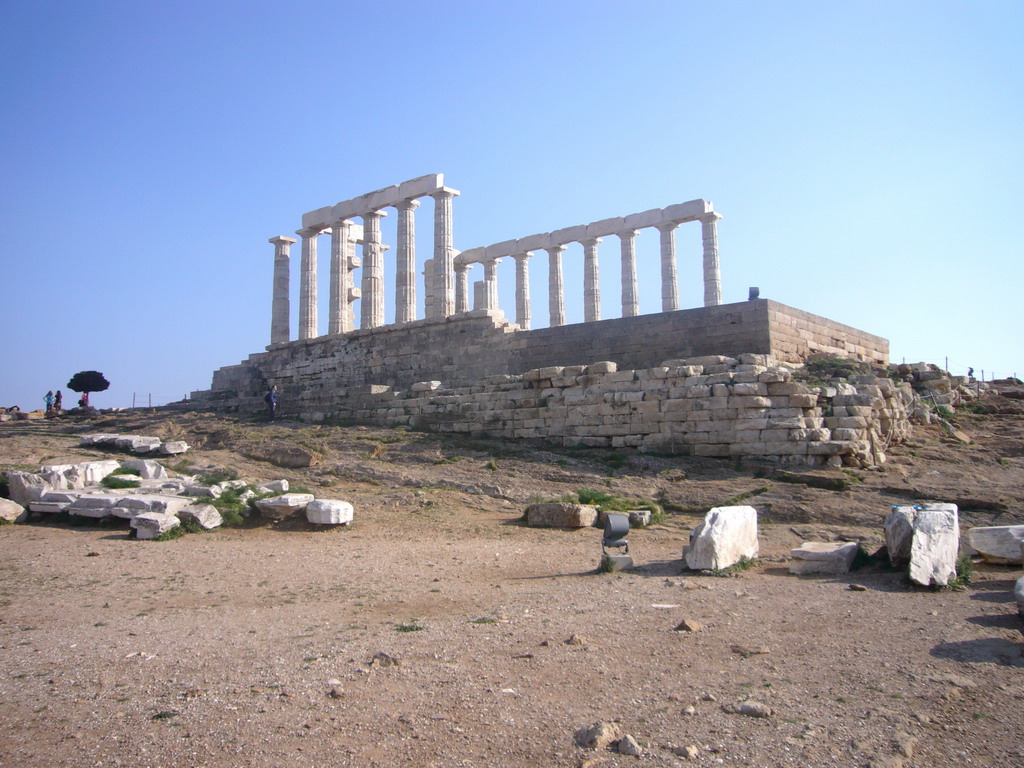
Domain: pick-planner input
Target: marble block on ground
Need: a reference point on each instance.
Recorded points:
(147, 468)
(152, 524)
(935, 546)
(206, 516)
(12, 511)
(329, 512)
(279, 507)
(998, 543)
(823, 557)
(560, 514)
(727, 535)
(92, 505)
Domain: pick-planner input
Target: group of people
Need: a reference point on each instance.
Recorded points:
(55, 402)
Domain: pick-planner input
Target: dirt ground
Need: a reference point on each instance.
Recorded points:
(255, 646)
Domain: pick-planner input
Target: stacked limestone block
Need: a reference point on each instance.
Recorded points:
(706, 406)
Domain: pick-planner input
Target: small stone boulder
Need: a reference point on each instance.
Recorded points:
(205, 516)
(285, 505)
(899, 533)
(600, 735)
(727, 535)
(173, 447)
(153, 524)
(275, 486)
(12, 511)
(329, 512)
(823, 557)
(561, 514)
(26, 487)
(999, 544)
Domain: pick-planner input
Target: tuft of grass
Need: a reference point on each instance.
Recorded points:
(964, 573)
(491, 465)
(410, 627)
(744, 564)
(484, 620)
(113, 481)
(741, 497)
(608, 565)
(220, 475)
(175, 533)
(126, 471)
(449, 460)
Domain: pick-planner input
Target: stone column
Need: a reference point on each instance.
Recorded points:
(491, 284)
(340, 276)
(429, 310)
(308, 326)
(669, 278)
(556, 291)
(372, 314)
(630, 302)
(405, 273)
(280, 329)
(352, 263)
(444, 253)
(523, 290)
(712, 276)
(461, 288)
(591, 281)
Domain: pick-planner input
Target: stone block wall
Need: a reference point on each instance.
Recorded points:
(719, 406)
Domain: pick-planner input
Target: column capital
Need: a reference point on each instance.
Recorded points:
(443, 192)
(341, 224)
(310, 232)
(590, 241)
(462, 266)
(667, 226)
(627, 233)
(709, 217)
(554, 250)
(522, 256)
(282, 239)
(380, 214)
(407, 205)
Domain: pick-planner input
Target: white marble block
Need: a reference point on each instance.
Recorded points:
(727, 535)
(205, 515)
(998, 543)
(279, 507)
(329, 512)
(935, 546)
(899, 533)
(152, 524)
(823, 557)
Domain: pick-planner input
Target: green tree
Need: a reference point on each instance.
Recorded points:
(88, 381)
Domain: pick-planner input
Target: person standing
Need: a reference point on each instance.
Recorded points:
(48, 399)
(271, 400)
(58, 402)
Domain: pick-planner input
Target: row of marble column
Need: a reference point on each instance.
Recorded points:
(488, 295)
(345, 235)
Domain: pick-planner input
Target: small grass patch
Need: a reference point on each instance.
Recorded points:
(608, 565)
(175, 533)
(744, 564)
(491, 465)
(484, 620)
(219, 475)
(449, 460)
(410, 627)
(114, 481)
(126, 471)
(741, 497)
(964, 573)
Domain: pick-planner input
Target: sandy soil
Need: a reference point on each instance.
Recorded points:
(255, 646)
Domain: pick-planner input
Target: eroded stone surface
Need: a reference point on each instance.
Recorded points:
(727, 535)
(823, 557)
(12, 512)
(560, 514)
(279, 507)
(329, 512)
(153, 524)
(935, 545)
(205, 515)
(998, 543)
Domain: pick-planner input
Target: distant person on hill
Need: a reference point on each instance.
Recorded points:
(83, 401)
(48, 399)
(271, 400)
(970, 373)
(58, 402)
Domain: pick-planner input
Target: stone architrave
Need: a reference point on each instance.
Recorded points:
(727, 535)
(405, 274)
(372, 314)
(935, 545)
(669, 276)
(998, 543)
(559, 514)
(341, 278)
(280, 328)
(308, 321)
(630, 300)
(556, 288)
(823, 557)
(522, 290)
(329, 512)
(279, 507)
(444, 254)
(712, 274)
(591, 280)
(153, 524)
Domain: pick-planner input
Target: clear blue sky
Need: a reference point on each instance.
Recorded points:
(868, 159)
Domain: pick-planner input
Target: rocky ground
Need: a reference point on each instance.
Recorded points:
(437, 630)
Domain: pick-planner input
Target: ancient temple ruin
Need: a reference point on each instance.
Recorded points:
(471, 360)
